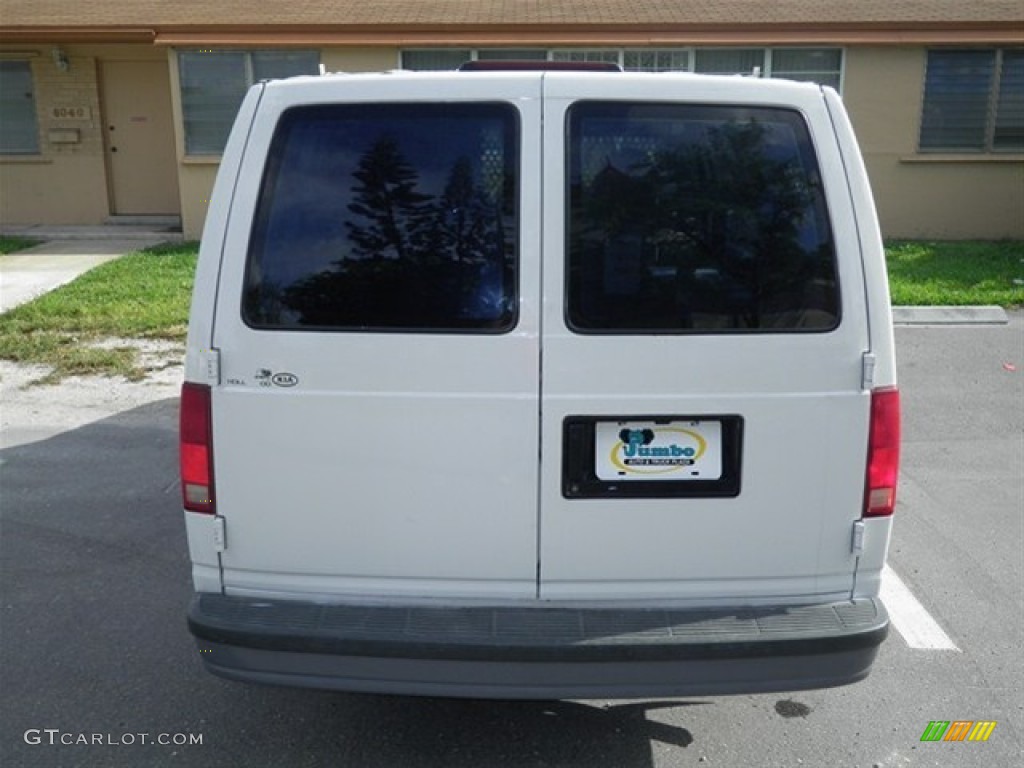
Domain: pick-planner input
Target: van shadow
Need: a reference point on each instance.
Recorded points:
(473, 733)
(461, 733)
(94, 585)
(94, 581)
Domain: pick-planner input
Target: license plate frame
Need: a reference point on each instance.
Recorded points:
(672, 456)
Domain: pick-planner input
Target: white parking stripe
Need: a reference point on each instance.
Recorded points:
(910, 618)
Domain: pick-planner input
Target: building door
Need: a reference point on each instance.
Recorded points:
(139, 138)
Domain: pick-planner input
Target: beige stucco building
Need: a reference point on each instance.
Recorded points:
(112, 109)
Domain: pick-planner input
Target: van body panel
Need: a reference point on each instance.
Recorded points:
(865, 222)
(202, 552)
(786, 534)
(399, 506)
(800, 396)
(406, 525)
(397, 463)
(211, 249)
(877, 535)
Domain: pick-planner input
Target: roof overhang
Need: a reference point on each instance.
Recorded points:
(977, 33)
(77, 35)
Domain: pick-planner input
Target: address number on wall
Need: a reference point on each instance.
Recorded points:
(71, 113)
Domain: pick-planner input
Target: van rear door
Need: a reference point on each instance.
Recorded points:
(704, 422)
(375, 432)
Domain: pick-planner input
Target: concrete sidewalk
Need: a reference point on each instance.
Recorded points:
(26, 274)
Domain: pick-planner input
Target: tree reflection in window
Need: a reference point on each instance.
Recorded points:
(420, 230)
(699, 218)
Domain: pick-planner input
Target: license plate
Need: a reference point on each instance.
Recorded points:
(651, 451)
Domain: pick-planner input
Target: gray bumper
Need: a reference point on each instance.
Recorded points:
(537, 652)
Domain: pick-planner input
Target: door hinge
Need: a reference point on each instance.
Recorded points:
(857, 542)
(220, 534)
(867, 375)
(209, 359)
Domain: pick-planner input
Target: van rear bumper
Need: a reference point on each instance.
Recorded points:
(537, 652)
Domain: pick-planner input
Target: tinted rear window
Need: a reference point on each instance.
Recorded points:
(687, 218)
(387, 217)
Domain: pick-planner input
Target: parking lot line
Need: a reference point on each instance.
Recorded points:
(910, 618)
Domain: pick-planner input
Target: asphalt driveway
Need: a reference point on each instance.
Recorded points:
(94, 581)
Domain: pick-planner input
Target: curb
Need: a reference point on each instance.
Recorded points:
(986, 315)
(85, 233)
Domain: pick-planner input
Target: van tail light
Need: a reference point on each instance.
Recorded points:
(196, 444)
(883, 453)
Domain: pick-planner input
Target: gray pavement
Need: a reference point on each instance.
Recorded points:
(94, 584)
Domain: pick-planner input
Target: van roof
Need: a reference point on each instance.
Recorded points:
(741, 85)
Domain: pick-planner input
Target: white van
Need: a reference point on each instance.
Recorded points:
(540, 384)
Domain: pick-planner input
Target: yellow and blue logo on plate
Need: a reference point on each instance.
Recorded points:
(657, 450)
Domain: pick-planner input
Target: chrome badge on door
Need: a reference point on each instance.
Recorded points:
(267, 378)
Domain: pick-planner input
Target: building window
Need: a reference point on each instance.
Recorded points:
(213, 84)
(512, 54)
(584, 55)
(819, 65)
(19, 132)
(1008, 129)
(729, 61)
(647, 60)
(435, 59)
(974, 101)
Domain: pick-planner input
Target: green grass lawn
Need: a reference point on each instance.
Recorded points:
(10, 244)
(956, 273)
(146, 295)
(140, 295)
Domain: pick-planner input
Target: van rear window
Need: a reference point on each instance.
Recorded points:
(387, 217)
(692, 218)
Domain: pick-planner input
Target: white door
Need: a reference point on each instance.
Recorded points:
(697, 331)
(378, 414)
(703, 423)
